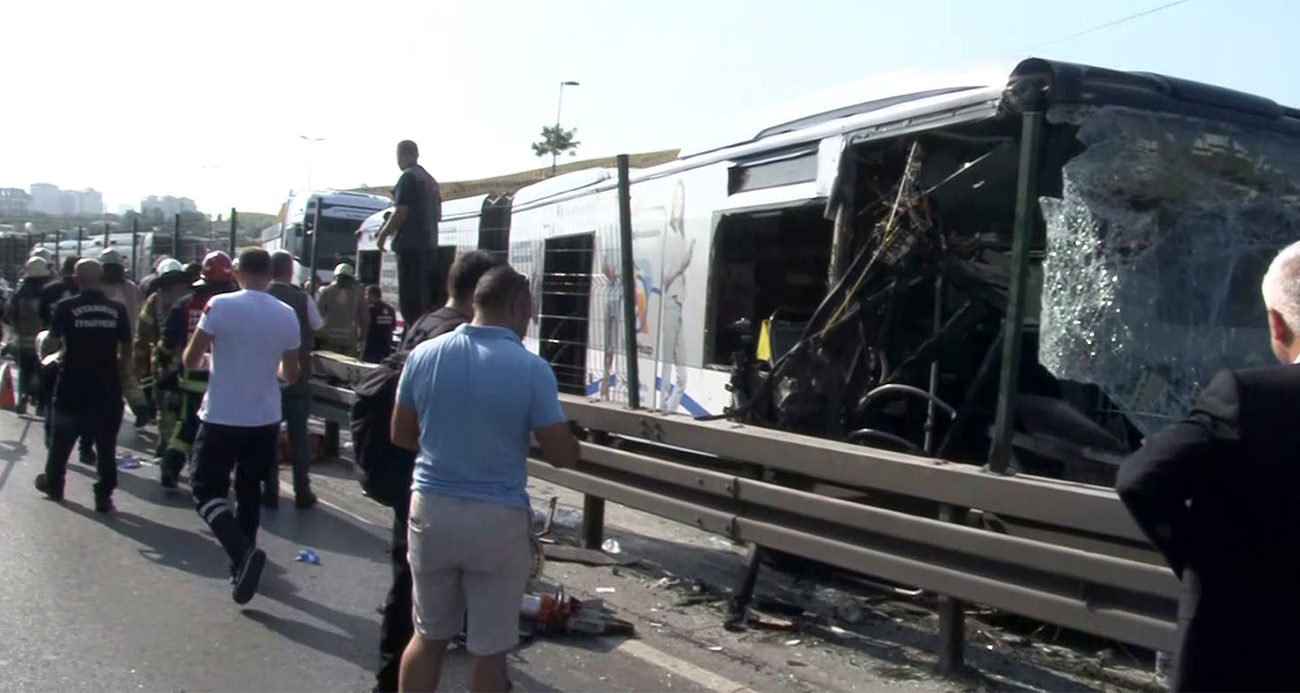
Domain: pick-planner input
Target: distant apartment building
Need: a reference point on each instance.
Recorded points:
(167, 205)
(46, 198)
(15, 202)
(49, 199)
(90, 201)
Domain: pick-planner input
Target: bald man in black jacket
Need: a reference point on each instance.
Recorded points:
(1218, 493)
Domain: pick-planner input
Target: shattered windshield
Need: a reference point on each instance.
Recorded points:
(1155, 254)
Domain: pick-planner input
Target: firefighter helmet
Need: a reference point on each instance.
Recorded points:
(217, 268)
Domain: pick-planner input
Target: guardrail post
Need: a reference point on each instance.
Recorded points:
(952, 615)
(593, 507)
(593, 521)
(176, 237)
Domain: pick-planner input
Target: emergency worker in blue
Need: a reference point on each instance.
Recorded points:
(94, 333)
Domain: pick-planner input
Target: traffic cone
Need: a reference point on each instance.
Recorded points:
(8, 399)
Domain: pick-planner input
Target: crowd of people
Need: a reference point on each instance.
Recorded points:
(219, 352)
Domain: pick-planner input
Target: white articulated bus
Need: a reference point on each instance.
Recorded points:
(847, 272)
(342, 214)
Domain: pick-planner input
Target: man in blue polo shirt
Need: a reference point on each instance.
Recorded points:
(467, 402)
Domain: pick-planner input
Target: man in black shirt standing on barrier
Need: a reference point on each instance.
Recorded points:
(96, 336)
(414, 227)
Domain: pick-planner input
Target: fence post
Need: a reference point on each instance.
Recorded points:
(234, 227)
(593, 507)
(1031, 139)
(106, 239)
(627, 273)
(58, 241)
(135, 248)
(315, 238)
(80, 231)
(176, 237)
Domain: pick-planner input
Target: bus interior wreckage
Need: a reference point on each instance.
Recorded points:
(1036, 290)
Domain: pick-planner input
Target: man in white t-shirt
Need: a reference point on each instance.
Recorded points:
(253, 338)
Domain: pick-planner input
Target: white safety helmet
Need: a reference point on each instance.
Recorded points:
(169, 265)
(108, 256)
(37, 267)
(343, 269)
(44, 254)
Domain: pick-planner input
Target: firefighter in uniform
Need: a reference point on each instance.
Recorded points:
(24, 314)
(95, 333)
(169, 287)
(344, 310)
(54, 292)
(218, 278)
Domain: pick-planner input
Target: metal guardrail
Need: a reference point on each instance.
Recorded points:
(1101, 590)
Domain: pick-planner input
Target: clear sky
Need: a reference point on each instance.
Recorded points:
(209, 99)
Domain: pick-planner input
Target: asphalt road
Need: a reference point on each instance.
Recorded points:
(139, 600)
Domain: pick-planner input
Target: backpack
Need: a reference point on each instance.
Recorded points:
(386, 469)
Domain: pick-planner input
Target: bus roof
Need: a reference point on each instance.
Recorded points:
(902, 102)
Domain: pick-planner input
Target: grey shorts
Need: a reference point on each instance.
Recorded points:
(468, 556)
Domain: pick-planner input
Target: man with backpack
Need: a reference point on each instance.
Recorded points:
(386, 469)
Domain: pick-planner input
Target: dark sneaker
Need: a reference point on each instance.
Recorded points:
(43, 485)
(249, 573)
(21, 409)
(103, 504)
(88, 458)
(305, 500)
(167, 479)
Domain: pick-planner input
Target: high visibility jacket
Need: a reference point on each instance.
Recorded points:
(344, 314)
(153, 315)
(24, 311)
(180, 325)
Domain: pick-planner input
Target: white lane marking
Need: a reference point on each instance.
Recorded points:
(349, 513)
(684, 669)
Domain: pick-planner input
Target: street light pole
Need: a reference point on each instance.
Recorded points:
(310, 151)
(559, 107)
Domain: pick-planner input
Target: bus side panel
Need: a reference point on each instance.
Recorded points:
(671, 228)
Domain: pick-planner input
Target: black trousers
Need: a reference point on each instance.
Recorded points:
(95, 420)
(397, 627)
(29, 373)
(250, 452)
(185, 434)
(415, 269)
(49, 381)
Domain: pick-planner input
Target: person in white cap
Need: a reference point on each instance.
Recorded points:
(344, 311)
(24, 315)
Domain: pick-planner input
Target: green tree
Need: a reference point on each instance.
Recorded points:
(556, 141)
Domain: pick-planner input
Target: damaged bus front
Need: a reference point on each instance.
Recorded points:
(1038, 281)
